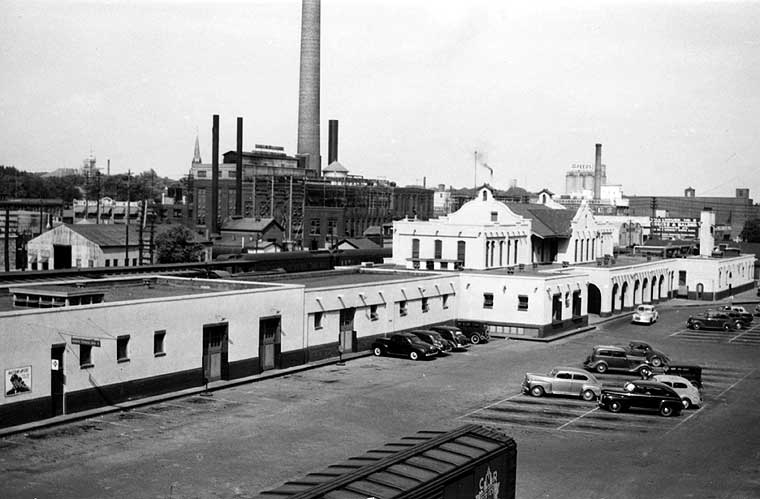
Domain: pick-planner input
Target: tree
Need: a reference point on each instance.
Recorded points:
(751, 231)
(177, 245)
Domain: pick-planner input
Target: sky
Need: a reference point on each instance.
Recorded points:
(669, 88)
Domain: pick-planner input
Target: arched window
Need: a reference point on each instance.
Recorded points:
(485, 195)
(575, 258)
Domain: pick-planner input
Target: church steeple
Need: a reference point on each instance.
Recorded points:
(197, 156)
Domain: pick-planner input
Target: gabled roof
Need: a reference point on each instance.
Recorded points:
(107, 235)
(335, 166)
(546, 221)
(373, 230)
(359, 243)
(249, 224)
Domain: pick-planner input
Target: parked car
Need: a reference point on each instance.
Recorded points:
(454, 335)
(645, 314)
(433, 338)
(606, 357)
(742, 319)
(689, 393)
(476, 332)
(642, 394)
(563, 381)
(654, 357)
(405, 345)
(757, 309)
(710, 320)
(690, 372)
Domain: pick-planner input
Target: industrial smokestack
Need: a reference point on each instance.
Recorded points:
(239, 170)
(214, 176)
(308, 94)
(332, 142)
(598, 173)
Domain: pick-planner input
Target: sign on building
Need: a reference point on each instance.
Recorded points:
(674, 228)
(18, 380)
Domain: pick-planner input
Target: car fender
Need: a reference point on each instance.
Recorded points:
(597, 390)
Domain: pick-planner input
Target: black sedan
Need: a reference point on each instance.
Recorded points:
(641, 394)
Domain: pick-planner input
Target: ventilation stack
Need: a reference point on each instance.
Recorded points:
(212, 228)
(598, 173)
(332, 142)
(308, 93)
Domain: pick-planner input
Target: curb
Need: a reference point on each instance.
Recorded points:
(141, 402)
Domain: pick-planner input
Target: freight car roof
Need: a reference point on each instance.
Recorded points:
(400, 468)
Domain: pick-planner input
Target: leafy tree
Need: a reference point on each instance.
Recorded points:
(751, 231)
(177, 245)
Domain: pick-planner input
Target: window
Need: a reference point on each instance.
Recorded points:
(79, 262)
(444, 265)
(134, 262)
(122, 348)
(332, 226)
(315, 227)
(494, 216)
(425, 305)
(126, 262)
(580, 377)
(430, 265)
(373, 312)
(402, 308)
(557, 307)
(318, 320)
(522, 302)
(158, 343)
(108, 262)
(85, 356)
(438, 249)
(415, 248)
(487, 300)
(564, 376)
(115, 262)
(90, 263)
(445, 301)
(232, 173)
(461, 251)
(201, 173)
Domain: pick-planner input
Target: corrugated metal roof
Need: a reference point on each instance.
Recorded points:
(248, 224)
(398, 468)
(105, 235)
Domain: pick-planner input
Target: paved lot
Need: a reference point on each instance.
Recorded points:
(250, 438)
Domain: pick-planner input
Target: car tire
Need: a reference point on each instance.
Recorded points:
(686, 403)
(615, 406)
(475, 339)
(588, 395)
(601, 368)
(537, 391)
(414, 355)
(377, 351)
(666, 410)
(656, 361)
(739, 326)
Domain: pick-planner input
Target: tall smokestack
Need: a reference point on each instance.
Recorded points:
(239, 170)
(598, 173)
(214, 175)
(332, 142)
(308, 94)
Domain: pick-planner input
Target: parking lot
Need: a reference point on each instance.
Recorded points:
(244, 439)
(748, 336)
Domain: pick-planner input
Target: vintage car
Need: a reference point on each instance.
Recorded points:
(742, 319)
(691, 372)
(757, 309)
(433, 338)
(476, 332)
(654, 357)
(710, 320)
(405, 345)
(454, 335)
(563, 381)
(689, 393)
(641, 394)
(645, 314)
(608, 357)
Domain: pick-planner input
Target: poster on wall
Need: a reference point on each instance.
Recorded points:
(18, 380)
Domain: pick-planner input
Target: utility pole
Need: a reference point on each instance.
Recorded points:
(126, 225)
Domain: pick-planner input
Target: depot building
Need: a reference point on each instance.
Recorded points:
(76, 345)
